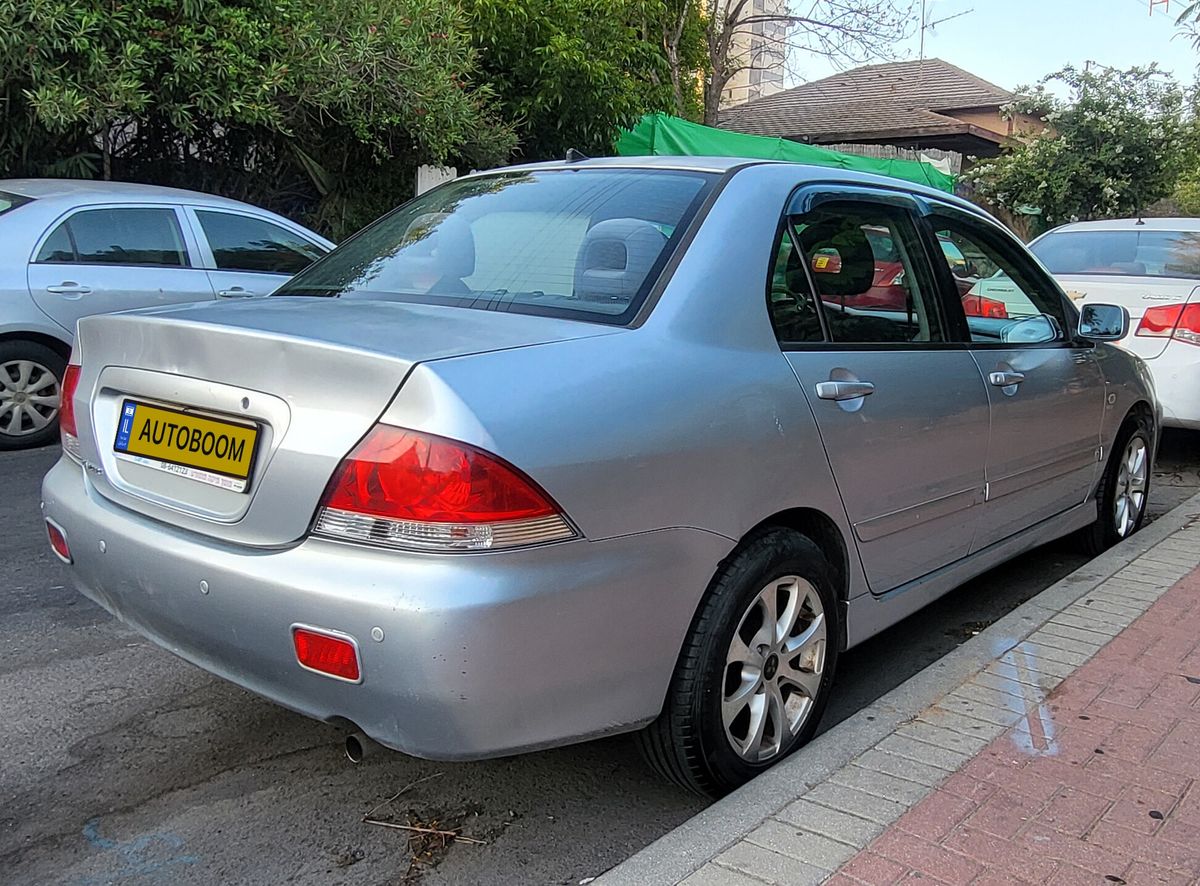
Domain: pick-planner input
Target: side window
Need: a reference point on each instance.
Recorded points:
(873, 284)
(147, 236)
(1004, 296)
(241, 243)
(790, 299)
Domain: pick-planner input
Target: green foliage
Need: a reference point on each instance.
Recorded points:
(320, 108)
(570, 72)
(1114, 146)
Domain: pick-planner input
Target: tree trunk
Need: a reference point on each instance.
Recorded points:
(106, 151)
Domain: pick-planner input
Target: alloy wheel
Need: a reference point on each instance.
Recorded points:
(29, 395)
(1129, 496)
(773, 668)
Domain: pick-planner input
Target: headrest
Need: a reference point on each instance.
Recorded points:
(855, 270)
(445, 241)
(615, 258)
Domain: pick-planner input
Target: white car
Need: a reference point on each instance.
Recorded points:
(1152, 267)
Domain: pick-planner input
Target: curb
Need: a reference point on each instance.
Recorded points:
(688, 850)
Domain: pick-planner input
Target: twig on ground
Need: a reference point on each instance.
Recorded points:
(395, 796)
(451, 835)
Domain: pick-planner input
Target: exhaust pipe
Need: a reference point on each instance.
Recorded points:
(358, 746)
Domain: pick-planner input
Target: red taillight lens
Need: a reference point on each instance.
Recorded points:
(1181, 322)
(58, 541)
(980, 306)
(327, 654)
(66, 402)
(402, 488)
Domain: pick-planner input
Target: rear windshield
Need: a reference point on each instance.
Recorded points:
(580, 243)
(1121, 253)
(11, 201)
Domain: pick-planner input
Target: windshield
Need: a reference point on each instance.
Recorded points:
(11, 201)
(585, 244)
(1121, 253)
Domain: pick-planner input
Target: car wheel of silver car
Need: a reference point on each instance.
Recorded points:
(30, 381)
(755, 671)
(1124, 489)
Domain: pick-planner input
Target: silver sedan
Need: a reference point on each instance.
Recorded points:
(575, 449)
(70, 248)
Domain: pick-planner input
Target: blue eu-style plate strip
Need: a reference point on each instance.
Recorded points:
(126, 426)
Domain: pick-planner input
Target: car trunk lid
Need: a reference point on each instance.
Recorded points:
(308, 376)
(1135, 294)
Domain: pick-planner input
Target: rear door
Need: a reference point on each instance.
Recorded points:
(100, 259)
(1045, 388)
(901, 409)
(247, 255)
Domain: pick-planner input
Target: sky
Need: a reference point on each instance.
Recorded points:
(1017, 42)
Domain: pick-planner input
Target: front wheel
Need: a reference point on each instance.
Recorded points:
(755, 672)
(1124, 489)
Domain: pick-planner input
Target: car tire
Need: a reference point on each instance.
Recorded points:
(30, 374)
(704, 740)
(1122, 479)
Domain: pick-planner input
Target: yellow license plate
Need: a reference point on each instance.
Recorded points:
(213, 451)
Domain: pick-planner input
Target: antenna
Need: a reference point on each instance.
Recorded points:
(928, 25)
(1165, 4)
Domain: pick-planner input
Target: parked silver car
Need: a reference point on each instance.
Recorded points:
(72, 248)
(575, 449)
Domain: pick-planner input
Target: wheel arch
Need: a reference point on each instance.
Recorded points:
(55, 344)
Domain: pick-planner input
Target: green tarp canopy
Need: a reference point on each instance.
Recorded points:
(664, 135)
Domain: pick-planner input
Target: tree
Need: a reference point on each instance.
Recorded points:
(569, 73)
(846, 31)
(319, 108)
(1114, 146)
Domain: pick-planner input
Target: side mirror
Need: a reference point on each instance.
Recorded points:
(1035, 330)
(1103, 322)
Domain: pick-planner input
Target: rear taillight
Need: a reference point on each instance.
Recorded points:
(66, 410)
(404, 489)
(327, 653)
(980, 306)
(1172, 321)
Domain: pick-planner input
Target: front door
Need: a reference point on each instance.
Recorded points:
(104, 259)
(901, 410)
(1046, 390)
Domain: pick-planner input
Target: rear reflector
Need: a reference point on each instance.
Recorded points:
(327, 653)
(1180, 322)
(66, 410)
(58, 541)
(405, 489)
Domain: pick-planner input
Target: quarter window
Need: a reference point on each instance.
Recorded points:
(1005, 298)
(863, 263)
(241, 243)
(142, 236)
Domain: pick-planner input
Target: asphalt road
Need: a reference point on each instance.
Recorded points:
(122, 764)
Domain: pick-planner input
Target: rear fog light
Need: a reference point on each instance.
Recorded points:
(58, 541)
(330, 654)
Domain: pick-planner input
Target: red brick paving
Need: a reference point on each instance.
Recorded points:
(1114, 797)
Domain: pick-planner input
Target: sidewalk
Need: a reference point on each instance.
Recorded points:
(1061, 745)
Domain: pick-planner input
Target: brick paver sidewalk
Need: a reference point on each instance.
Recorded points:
(1098, 784)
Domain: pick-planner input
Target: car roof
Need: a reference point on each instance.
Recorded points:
(733, 164)
(82, 192)
(1131, 224)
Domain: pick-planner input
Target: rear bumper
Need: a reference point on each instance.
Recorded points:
(482, 655)
(1176, 373)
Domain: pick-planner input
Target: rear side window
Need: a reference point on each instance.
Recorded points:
(242, 243)
(9, 202)
(1122, 253)
(859, 266)
(132, 236)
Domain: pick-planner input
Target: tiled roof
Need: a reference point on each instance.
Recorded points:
(876, 98)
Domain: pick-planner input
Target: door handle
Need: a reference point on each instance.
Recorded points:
(1006, 378)
(236, 292)
(69, 287)
(844, 390)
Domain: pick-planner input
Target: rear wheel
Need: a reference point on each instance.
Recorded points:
(754, 674)
(30, 381)
(1124, 489)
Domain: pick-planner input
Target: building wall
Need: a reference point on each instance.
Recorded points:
(763, 46)
(992, 119)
